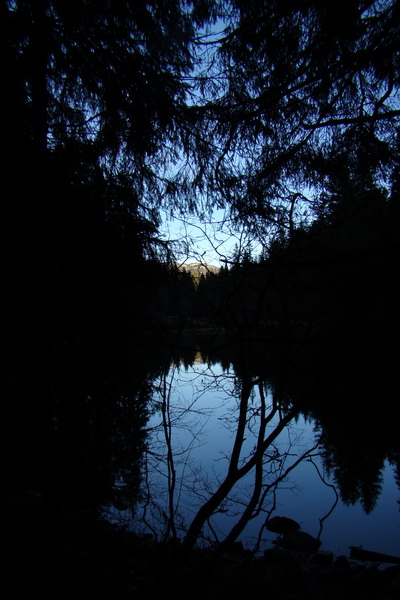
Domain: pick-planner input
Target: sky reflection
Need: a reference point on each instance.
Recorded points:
(202, 414)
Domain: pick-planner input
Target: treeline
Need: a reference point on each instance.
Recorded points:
(337, 275)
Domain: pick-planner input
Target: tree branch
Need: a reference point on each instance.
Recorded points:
(353, 120)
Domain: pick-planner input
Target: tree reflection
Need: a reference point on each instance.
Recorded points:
(184, 500)
(343, 386)
(182, 496)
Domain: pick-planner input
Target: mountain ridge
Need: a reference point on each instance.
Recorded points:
(198, 269)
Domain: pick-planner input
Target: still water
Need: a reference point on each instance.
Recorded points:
(195, 417)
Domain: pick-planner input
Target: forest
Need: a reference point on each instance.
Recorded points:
(284, 116)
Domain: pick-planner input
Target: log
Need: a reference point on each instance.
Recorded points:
(360, 554)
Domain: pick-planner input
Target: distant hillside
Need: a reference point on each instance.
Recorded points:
(198, 269)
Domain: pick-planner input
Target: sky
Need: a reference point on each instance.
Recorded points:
(210, 241)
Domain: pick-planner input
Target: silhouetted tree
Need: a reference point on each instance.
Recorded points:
(304, 95)
(94, 98)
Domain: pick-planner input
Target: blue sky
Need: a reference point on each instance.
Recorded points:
(209, 241)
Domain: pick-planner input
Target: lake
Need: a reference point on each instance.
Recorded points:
(191, 435)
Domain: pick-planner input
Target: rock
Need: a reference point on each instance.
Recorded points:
(298, 541)
(282, 525)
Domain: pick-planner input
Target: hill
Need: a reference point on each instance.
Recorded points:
(198, 269)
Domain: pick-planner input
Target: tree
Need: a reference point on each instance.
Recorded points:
(107, 74)
(304, 93)
(94, 97)
(94, 94)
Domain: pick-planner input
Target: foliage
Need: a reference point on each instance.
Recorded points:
(306, 97)
(94, 93)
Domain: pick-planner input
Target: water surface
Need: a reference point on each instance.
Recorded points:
(201, 423)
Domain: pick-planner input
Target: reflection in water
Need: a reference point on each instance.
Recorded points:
(193, 437)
